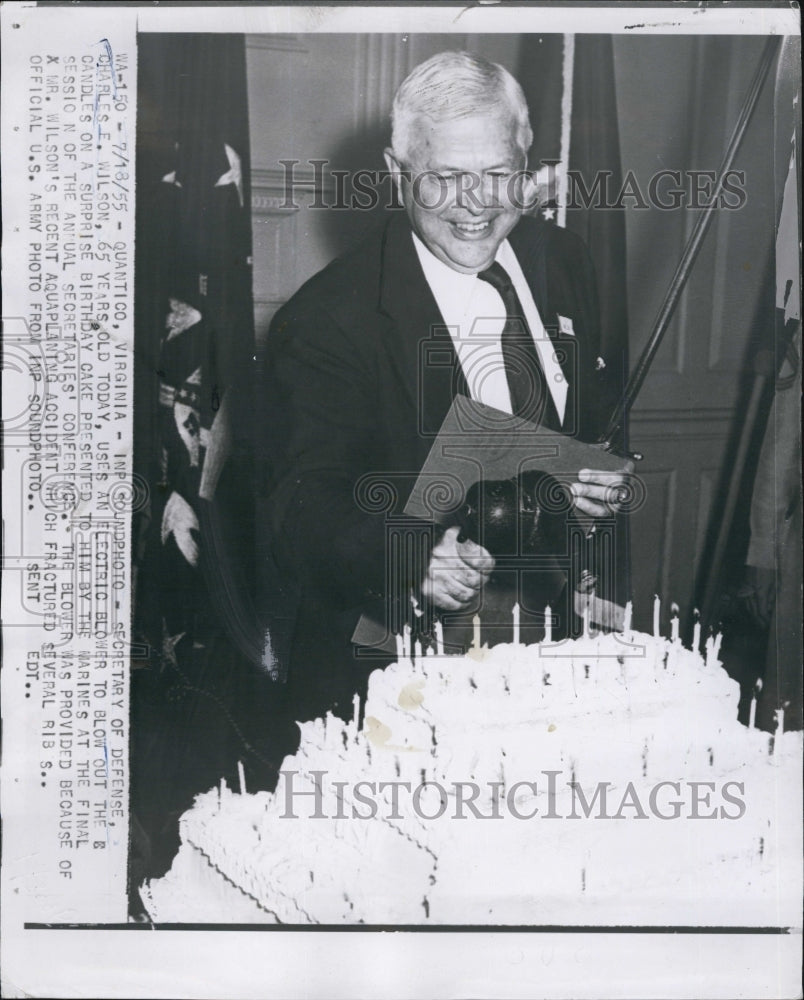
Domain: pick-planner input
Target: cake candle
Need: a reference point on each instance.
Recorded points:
(355, 710)
(400, 648)
(657, 606)
(417, 652)
(548, 624)
(674, 636)
(515, 616)
(476, 624)
(406, 641)
(752, 713)
(439, 637)
(586, 621)
(773, 742)
(696, 632)
(628, 617)
(241, 777)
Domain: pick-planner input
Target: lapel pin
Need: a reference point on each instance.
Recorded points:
(565, 325)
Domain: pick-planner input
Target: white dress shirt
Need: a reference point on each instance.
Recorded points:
(474, 313)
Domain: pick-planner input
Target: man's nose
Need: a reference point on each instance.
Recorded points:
(476, 194)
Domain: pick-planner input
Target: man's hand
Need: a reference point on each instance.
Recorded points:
(456, 572)
(758, 592)
(600, 494)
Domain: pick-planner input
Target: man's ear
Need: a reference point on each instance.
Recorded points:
(532, 191)
(395, 170)
(539, 187)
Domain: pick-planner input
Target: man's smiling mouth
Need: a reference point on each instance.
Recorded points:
(472, 227)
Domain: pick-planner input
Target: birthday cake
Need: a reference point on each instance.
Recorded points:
(602, 780)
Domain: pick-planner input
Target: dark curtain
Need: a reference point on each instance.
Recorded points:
(199, 698)
(762, 620)
(594, 149)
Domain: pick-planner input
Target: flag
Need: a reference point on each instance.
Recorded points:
(197, 698)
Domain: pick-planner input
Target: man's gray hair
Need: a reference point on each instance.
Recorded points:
(452, 85)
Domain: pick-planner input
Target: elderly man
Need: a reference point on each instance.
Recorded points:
(347, 394)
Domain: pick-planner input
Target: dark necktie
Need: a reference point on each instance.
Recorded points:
(530, 396)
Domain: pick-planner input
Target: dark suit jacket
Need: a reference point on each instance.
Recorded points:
(346, 395)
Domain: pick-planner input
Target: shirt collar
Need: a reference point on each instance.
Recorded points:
(440, 274)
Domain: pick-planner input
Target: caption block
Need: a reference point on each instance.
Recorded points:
(68, 492)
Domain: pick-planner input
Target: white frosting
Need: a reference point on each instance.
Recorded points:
(595, 710)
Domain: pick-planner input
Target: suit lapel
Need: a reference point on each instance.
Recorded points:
(418, 343)
(530, 246)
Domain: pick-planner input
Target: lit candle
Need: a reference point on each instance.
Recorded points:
(355, 709)
(515, 616)
(586, 620)
(400, 647)
(657, 606)
(674, 629)
(752, 713)
(439, 637)
(628, 617)
(548, 624)
(417, 651)
(696, 632)
(241, 777)
(716, 644)
(709, 646)
(406, 644)
(476, 624)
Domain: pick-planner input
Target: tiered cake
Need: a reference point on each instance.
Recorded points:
(603, 780)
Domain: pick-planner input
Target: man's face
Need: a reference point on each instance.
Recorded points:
(460, 197)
